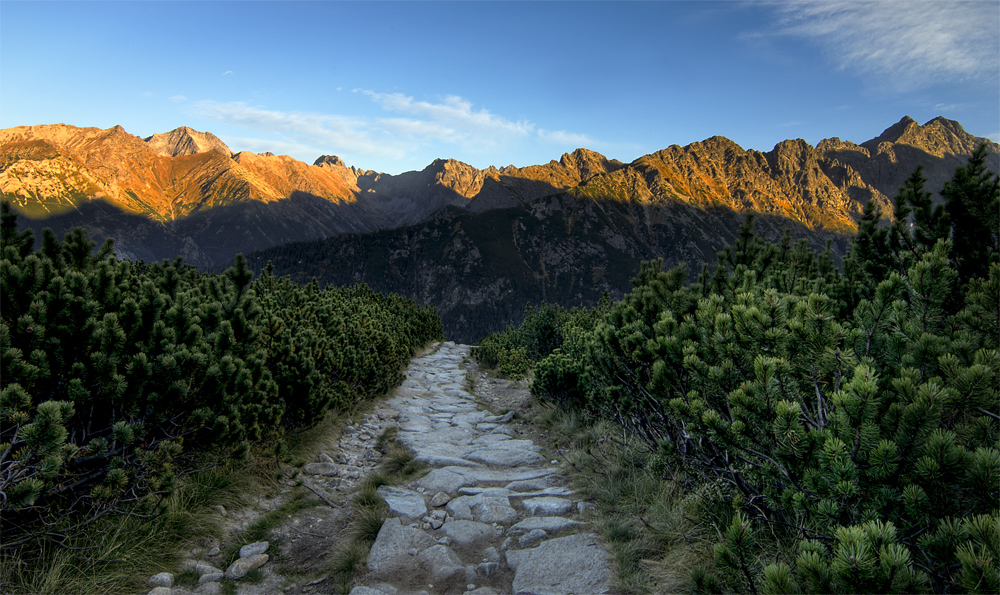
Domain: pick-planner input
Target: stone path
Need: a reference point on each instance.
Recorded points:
(492, 517)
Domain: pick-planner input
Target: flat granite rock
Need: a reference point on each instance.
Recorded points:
(469, 533)
(573, 564)
(488, 439)
(493, 509)
(445, 480)
(531, 485)
(403, 502)
(442, 565)
(391, 551)
(547, 506)
(518, 445)
(482, 474)
(497, 457)
(549, 524)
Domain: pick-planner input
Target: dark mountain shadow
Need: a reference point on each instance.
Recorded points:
(136, 236)
(506, 191)
(211, 237)
(222, 232)
(887, 172)
(479, 269)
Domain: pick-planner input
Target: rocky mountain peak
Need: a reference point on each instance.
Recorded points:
(177, 177)
(893, 133)
(185, 141)
(938, 137)
(587, 163)
(834, 145)
(329, 162)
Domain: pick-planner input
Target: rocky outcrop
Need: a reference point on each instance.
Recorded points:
(185, 141)
(167, 179)
(330, 162)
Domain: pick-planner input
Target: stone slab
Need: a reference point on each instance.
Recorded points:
(561, 566)
(403, 502)
(547, 506)
(469, 533)
(445, 480)
(549, 524)
(482, 474)
(496, 457)
(391, 551)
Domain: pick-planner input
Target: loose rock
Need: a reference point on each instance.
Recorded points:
(252, 549)
(241, 567)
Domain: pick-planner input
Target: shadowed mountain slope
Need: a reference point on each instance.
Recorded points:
(184, 192)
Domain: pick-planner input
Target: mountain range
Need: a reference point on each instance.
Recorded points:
(185, 193)
(477, 243)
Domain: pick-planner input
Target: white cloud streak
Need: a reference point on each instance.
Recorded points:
(909, 44)
(413, 125)
(339, 133)
(452, 121)
(561, 137)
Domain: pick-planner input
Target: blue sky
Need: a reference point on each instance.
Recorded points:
(392, 86)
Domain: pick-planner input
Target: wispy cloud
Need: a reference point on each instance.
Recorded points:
(908, 44)
(561, 137)
(178, 98)
(452, 121)
(337, 133)
(408, 126)
(951, 107)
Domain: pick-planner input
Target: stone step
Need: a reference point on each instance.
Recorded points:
(487, 518)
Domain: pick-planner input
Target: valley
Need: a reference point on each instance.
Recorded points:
(475, 243)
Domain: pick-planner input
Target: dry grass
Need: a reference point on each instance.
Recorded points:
(119, 553)
(652, 526)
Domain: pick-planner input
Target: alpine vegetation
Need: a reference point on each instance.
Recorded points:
(119, 377)
(848, 418)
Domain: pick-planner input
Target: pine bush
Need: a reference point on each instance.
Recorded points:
(119, 375)
(851, 416)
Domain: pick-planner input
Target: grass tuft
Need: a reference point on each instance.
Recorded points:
(187, 578)
(652, 527)
(350, 559)
(387, 438)
(254, 576)
(367, 524)
(399, 462)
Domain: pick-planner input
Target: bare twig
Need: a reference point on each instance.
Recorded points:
(321, 496)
